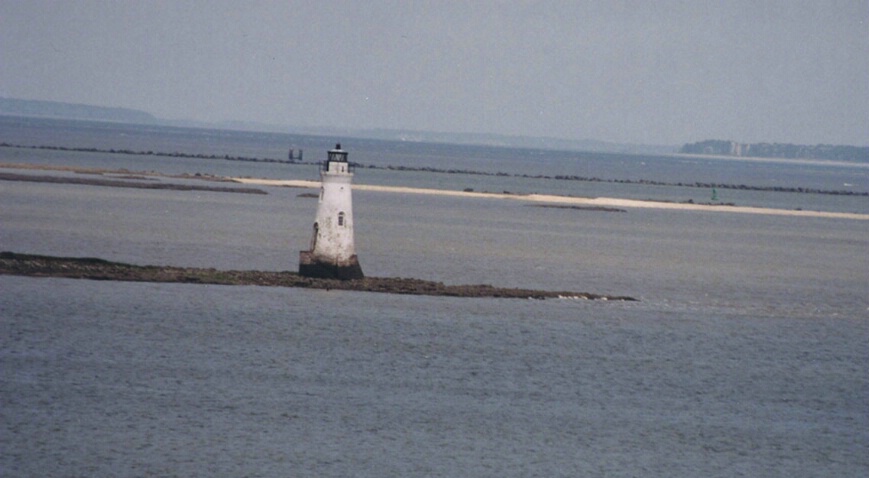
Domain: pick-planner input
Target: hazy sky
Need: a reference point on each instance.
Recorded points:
(655, 72)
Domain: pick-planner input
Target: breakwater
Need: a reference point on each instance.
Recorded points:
(428, 169)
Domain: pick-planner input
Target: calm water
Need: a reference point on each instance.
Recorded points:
(745, 356)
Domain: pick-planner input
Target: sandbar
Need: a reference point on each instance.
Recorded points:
(569, 200)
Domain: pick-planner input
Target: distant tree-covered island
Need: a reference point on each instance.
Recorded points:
(55, 109)
(777, 150)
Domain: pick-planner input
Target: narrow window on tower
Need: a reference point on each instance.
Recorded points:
(340, 218)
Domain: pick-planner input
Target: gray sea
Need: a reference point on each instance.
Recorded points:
(746, 354)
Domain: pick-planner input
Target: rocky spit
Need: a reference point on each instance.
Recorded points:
(131, 181)
(99, 269)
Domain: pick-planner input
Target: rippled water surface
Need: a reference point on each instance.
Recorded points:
(151, 379)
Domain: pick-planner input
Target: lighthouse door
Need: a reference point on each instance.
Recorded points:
(314, 238)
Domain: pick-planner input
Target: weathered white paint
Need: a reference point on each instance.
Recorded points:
(333, 236)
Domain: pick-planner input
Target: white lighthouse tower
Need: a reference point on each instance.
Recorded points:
(333, 253)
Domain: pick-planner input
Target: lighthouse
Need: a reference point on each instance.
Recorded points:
(333, 252)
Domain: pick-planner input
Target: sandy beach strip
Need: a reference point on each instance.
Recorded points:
(569, 200)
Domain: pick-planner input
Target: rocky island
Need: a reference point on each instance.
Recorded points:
(99, 269)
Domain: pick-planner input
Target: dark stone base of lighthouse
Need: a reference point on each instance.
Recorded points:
(311, 266)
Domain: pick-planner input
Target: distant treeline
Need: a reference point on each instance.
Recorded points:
(55, 109)
(777, 150)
